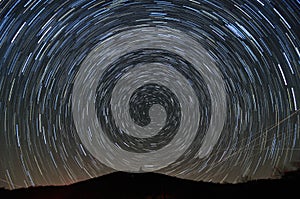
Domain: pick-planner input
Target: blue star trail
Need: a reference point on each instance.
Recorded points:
(205, 90)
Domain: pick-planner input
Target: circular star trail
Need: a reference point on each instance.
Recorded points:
(202, 90)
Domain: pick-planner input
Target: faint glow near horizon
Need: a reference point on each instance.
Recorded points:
(201, 90)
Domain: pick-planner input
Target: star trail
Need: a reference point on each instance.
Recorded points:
(204, 90)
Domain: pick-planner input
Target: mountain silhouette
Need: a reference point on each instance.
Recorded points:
(150, 185)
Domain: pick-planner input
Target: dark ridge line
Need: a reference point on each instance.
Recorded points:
(153, 185)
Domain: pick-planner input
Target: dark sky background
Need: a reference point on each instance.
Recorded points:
(79, 81)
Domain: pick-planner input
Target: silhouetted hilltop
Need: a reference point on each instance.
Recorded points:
(151, 185)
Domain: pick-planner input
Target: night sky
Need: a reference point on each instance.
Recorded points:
(202, 90)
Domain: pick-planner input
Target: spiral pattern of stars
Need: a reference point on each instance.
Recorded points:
(204, 90)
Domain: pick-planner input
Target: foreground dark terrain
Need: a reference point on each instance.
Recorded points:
(149, 185)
